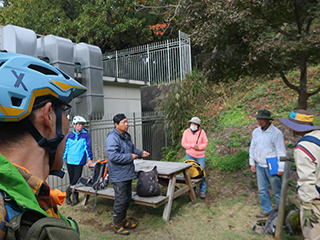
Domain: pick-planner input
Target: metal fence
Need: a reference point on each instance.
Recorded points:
(154, 63)
(147, 130)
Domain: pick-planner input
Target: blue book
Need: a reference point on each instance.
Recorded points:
(273, 165)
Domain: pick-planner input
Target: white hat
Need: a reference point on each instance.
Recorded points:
(195, 120)
(78, 119)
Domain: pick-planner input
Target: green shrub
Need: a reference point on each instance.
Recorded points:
(235, 117)
(290, 145)
(169, 154)
(229, 163)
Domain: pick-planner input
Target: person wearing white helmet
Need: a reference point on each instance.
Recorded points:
(77, 151)
(34, 105)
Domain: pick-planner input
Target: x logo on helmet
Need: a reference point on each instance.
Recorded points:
(19, 80)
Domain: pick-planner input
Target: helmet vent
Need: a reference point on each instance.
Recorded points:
(1, 63)
(16, 101)
(42, 70)
(65, 75)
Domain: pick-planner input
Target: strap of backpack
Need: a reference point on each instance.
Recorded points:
(258, 223)
(199, 136)
(310, 139)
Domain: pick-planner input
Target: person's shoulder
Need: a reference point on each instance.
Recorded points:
(187, 130)
(70, 135)
(274, 128)
(112, 135)
(258, 129)
(202, 130)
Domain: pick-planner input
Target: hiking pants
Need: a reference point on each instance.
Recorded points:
(123, 195)
(74, 172)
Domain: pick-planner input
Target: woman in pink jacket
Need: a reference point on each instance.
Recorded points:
(195, 141)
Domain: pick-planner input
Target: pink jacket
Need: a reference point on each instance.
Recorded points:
(189, 139)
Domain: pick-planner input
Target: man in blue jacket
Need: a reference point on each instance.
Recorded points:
(121, 152)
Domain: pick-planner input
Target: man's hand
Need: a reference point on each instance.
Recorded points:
(280, 173)
(134, 156)
(145, 154)
(308, 215)
(253, 168)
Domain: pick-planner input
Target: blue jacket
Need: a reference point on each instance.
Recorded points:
(78, 148)
(119, 148)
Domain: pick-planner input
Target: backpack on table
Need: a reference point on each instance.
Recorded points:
(148, 184)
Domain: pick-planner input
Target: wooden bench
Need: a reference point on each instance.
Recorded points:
(195, 182)
(147, 201)
(109, 193)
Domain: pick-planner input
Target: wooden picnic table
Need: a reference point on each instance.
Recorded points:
(168, 177)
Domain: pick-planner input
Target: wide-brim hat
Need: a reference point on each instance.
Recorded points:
(264, 114)
(195, 120)
(300, 121)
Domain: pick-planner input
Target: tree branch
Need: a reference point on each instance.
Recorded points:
(314, 92)
(283, 76)
(297, 18)
(274, 26)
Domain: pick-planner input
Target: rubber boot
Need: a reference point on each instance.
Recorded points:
(75, 198)
(69, 192)
(118, 225)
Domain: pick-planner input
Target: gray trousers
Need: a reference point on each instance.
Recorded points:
(123, 195)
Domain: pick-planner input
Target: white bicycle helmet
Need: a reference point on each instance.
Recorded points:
(78, 119)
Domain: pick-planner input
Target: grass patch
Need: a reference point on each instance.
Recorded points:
(229, 163)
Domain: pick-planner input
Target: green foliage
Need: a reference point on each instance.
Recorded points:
(168, 154)
(182, 101)
(229, 163)
(257, 38)
(106, 23)
(290, 145)
(235, 117)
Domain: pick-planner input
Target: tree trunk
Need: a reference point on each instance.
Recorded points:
(303, 95)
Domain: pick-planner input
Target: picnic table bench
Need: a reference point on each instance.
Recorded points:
(175, 184)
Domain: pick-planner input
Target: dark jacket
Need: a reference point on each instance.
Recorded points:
(119, 148)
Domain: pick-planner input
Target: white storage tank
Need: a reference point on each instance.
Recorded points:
(59, 51)
(90, 59)
(19, 40)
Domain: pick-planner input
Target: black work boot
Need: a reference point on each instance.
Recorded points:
(75, 198)
(69, 192)
(118, 225)
(128, 224)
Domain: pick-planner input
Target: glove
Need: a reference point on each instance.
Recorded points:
(308, 215)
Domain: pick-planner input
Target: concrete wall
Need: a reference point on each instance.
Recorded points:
(121, 97)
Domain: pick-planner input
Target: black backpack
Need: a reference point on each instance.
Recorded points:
(33, 225)
(148, 185)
